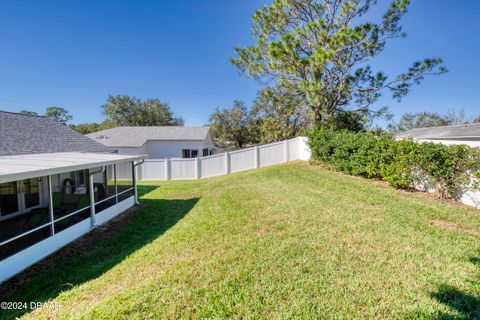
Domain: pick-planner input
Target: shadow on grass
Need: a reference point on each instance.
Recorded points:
(95, 253)
(465, 304)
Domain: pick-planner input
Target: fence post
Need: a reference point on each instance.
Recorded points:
(285, 150)
(197, 168)
(304, 151)
(167, 169)
(227, 162)
(257, 157)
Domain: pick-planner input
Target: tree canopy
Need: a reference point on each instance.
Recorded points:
(280, 114)
(86, 128)
(28, 112)
(123, 110)
(232, 127)
(410, 121)
(323, 48)
(58, 114)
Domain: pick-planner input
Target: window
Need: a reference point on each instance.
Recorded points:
(19, 197)
(79, 177)
(31, 192)
(186, 153)
(8, 198)
(205, 152)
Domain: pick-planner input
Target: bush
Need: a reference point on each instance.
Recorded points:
(403, 164)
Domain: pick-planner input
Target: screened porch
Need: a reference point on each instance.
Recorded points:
(38, 207)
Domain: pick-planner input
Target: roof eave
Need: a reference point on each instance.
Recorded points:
(52, 171)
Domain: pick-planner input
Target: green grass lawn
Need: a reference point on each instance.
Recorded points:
(290, 241)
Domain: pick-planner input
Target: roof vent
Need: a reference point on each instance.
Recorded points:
(102, 137)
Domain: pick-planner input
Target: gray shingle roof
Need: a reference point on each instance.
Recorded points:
(462, 131)
(26, 134)
(137, 136)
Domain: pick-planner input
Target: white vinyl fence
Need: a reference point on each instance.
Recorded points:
(241, 160)
(220, 164)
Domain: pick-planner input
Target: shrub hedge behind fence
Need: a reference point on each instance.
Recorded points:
(450, 169)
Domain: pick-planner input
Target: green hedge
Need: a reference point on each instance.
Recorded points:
(401, 163)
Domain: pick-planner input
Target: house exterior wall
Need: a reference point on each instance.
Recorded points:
(162, 149)
(173, 149)
(470, 142)
(130, 150)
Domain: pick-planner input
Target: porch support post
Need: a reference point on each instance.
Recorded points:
(167, 169)
(92, 198)
(116, 182)
(134, 177)
(50, 206)
(134, 180)
(92, 194)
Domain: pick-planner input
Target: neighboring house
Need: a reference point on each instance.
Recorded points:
(468, 134)
(55, 186)
(158, 142)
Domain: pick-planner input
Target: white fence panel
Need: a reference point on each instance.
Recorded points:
(124, 171)
(181, 169)
(241, 160)
(293, 149)
(153, 170)
(212, 165)
(272, 154)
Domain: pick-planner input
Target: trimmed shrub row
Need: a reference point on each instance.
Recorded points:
(404, 163)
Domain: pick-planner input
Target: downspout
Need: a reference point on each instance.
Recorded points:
(92, 194)
(135, 180)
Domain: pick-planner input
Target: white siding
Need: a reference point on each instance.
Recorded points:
(159, 149)
(471, 143)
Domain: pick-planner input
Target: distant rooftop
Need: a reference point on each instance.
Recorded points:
(137, 136)
(29, 134)
(469, 131)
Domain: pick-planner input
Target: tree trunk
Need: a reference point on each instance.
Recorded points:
(326, 116)
(318, 114)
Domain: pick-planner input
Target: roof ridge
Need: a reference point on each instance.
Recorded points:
(451, 125)
(23, 114)
(195, 126)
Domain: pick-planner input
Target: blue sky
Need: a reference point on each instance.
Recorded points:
(75, 53)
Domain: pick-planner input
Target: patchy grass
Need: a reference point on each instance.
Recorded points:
(291, 241)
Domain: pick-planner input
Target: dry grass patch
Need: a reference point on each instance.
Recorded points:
(453, 226)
